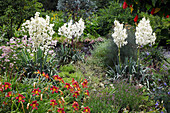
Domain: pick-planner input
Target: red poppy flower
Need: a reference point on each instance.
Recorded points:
(167, 16)
(76, 93)
(60, 110)
(136, 18)
(153, 11)
(75, 84)
(7, 85)
(54, 89)
(85, 83)
(20, 98)
(56, 77)
(53, 102)
(9, 94)
(34, 105)
(130, 5)
(35, 91)
(75, 106)
(67, 86)
(87, 93)
(86, 109)
(125, 5)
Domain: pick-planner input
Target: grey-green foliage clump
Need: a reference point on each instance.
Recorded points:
(77, 8)
(107, 52)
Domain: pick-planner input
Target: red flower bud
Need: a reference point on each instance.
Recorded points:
(125, 5)
(136, 18)
(167, 16)
(153, 10)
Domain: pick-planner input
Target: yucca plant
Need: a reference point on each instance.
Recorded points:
(39, 62)
(128, 70)
(67, 55)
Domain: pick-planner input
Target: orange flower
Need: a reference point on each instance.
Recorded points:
(86, 109)
(37, 72)
(85, 83)
(43, 74)
(46, 76)
(75, 106)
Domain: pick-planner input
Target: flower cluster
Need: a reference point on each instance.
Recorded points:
(40, 31)
(73, 89)
(119, 34)
(144, 34)
(69, 29)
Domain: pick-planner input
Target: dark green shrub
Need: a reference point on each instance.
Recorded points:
(12, 14)
(49, 4)
(78, 8)
(107, 16)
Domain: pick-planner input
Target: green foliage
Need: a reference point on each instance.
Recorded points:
(102, 101)
(49, 4)
(127, 95)
(153, 56)
(91, 26)
(78, 8)
(129, 70)
(161, 26)
(38, 62)
(107, 16)
(106, 52)
(102, 3)
(63, 97)
(67, 68)
(12, 14)
(148, 5)
(66, 55)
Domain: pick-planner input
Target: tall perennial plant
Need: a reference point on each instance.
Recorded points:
(72, 30)
(144, 34)
(119, 36)
(40, 31)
